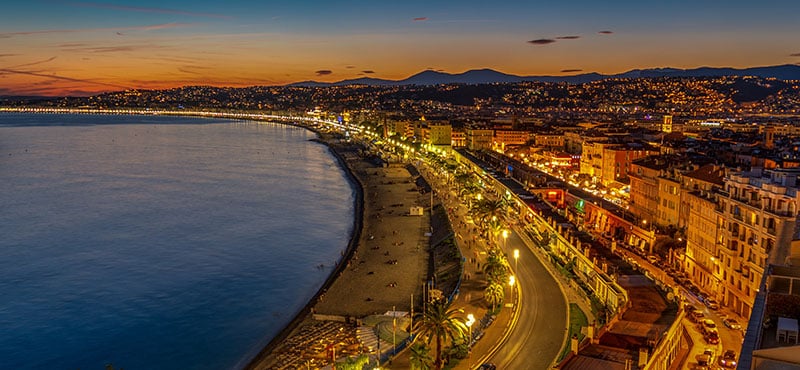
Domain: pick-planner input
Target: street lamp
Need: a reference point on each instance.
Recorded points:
(505, 237)
(470, 321)
(511, 281)
(516, 259)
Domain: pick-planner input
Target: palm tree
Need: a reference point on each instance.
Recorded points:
(495, 227)
(420, 357)
(494, 294)
(488, 209)
(496, 267)
(439, 322)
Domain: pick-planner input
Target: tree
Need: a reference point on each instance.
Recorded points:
(353, 363)
(494, 294)
(496, 267)
(488, 209)
(440, 322)
(495, 228)
(420, 357)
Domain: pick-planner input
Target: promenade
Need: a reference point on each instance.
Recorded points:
(388, 266)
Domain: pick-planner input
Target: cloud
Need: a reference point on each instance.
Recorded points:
(37, 74)
(34, 63)
(571, 70)
(368, 71)
(541, 41)
(112, 29)
(323, 72)
(567, 37)
(8, 55)
(349, 67)
(795, 55)
(142, 9)
(605, 32)
(420, 19)
(111, 49)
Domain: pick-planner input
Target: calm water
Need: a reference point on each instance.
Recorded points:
(159, 242)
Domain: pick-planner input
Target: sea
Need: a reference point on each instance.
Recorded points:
(160, 242)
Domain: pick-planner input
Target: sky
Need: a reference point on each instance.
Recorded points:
(52, 47)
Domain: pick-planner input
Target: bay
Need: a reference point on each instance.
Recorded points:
(159, 242)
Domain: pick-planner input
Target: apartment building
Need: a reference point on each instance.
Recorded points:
(758, 212)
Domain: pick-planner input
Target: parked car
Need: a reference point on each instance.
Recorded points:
(712, 303)
(712, 337)
(652, 259)
(706, 358)
(728, 359)
(732, 324)
(697, 316)
(487, 366)
(709, 324)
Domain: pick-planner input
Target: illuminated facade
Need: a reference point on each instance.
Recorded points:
(610, 162)
(758, 223)
(669, 200)
(644, 189)
(479, 139)
(732, 234)
(503, 138)
(440, 135)
(458, 139)
(552, 141)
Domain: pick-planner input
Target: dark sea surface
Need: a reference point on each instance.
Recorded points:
(159, 242)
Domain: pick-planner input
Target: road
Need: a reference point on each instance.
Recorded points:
(537, 338)
(535, 341)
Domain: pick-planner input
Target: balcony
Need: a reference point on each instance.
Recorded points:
(779, 212)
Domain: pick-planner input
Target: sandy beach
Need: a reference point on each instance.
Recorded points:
(386, 265)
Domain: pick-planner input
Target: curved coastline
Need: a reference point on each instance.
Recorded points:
(352, 245)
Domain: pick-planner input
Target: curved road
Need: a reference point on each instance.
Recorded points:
(537, 337)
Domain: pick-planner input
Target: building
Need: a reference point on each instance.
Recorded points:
(608, 162)
(666, 126)
(550, 141)
(479, 139)
(645, 187)
(404, 129)
(669, 198)
(458, 138)
(504, 138)
(701, 262)
(758, 212)
(440, 134)
(767, 345)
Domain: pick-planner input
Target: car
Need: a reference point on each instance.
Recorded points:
(728, 359)
(709, 324)
(712, 304)
(697, 316)
(712, 337)
(487, 366)
(706, 358)
(731, 323)
(652, 259)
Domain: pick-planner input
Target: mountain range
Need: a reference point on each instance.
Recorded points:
(487, 76)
